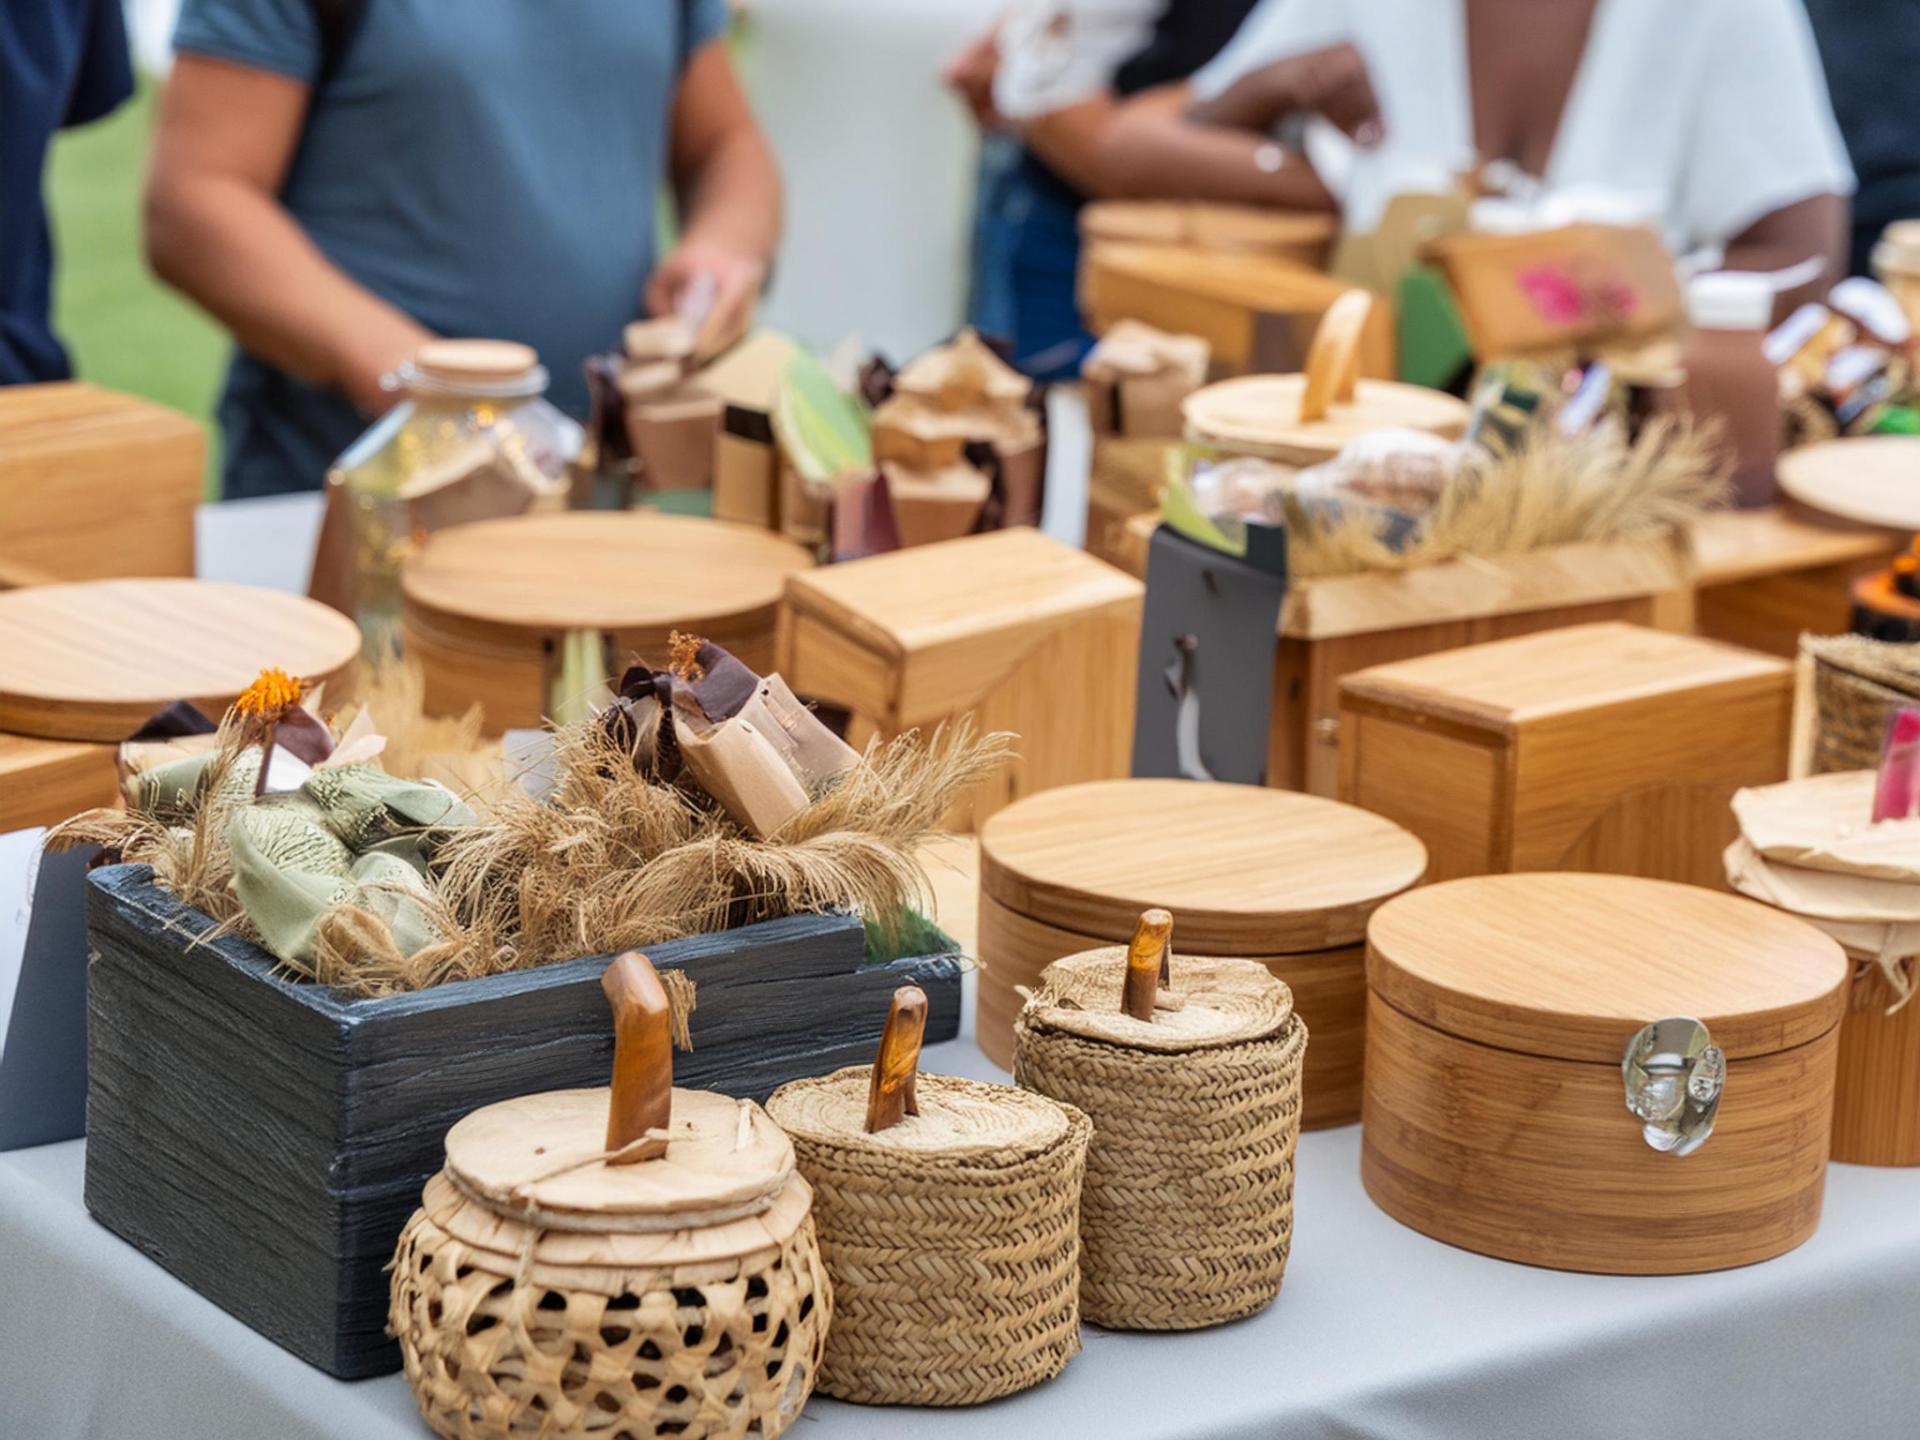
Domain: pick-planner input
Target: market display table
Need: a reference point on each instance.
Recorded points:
(1378, 1332)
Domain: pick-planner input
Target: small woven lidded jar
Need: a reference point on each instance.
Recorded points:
(949, 1214)
(635, 1263)
(1189, 1068)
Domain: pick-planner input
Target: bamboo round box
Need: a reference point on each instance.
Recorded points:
(1187, 1212)
(487, 605)
(1499, 1019)
(952, 1236)
(636, 1262)
(1252, 873)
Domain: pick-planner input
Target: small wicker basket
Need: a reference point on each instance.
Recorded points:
(952, 1234)
(1857, 684)
(1187, 1212)
(614, 1264)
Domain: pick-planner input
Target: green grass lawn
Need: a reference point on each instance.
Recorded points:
(124, 329)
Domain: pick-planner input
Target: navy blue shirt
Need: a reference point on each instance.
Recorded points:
(1871, 51)
(488, 166)
(62, 62)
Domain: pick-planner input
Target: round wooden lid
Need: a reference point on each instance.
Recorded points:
(534, 575)
(486, 362)
(93, 660)
(1211, 1002)
(543, 1157)
(1254, 229)
(1571, 966)
(1244, 869)
(1259, 415)
(959, 1119)
(1873, 479)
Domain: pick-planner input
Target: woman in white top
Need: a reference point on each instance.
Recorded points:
(1710, 114)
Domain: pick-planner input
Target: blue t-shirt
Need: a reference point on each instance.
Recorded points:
(62, 62)
(489, 168)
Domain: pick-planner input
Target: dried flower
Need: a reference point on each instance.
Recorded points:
(271, 692)
(683, 656)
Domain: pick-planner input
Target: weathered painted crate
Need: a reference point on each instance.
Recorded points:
(265, 1140)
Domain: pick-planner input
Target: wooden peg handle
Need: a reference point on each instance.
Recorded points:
(642, 1057)
(1147, 963)
(1333, 359)
(890, 1096)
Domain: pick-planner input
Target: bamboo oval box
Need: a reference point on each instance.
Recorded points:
(1504, 1029)
(1187, 1212)
(949, 1215)
(1253, 873)
(488, 606)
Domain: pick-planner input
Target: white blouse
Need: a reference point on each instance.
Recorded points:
(1708, 113)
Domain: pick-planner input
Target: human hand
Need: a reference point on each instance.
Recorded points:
(713, 288)
(1332, 83)
(970, 76)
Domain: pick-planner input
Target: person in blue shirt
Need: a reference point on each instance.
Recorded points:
(62, 63)
(442, 168)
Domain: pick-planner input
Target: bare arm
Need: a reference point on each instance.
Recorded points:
(1814, 226)
(215, 230)
(730, 200)
(1153, 148)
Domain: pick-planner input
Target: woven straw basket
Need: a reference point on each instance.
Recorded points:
(952, 1236)
(1857, 684)
(554, 1284)
(1187, 1212)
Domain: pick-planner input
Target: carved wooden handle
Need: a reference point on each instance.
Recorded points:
(890, 1096)
(1148, 966)
(642, 1057)
(1333, 359)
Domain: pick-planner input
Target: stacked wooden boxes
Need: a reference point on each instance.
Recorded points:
(1009, 629)
(95, 484)
(1137, 378)
(1600, 747)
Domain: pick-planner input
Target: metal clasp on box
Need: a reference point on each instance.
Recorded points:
(1674, 1075)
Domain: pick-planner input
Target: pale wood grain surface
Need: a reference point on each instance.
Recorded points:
(1876, 1100)
(1870, 479)
(1261, 415)
(1570, 966)
(92, 660)
(1245, 870)
(43, 782)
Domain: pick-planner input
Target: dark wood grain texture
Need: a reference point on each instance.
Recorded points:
(265, 1139)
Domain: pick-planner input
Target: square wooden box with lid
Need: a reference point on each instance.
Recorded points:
(1010, 628)
(1598, 747)
(1248, 873)
(1599, 1072)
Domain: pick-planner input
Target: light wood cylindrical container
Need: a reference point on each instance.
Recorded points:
(1896, 263)
(1253, 873)
(576, 1272)
(1303, 419)
(953, 1235)
(1807, 847)
(1211, 228)
(1500, 1014)
(488, 605)
(1187, 1212)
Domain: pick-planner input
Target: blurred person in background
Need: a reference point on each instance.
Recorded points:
(1713, 115)
(62, 63)
(339, 180)
(1871, 51)
(1043, 84)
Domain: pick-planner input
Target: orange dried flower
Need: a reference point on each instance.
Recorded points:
(271, 692)
(683, 656)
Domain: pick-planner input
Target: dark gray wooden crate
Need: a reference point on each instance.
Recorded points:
(266, 1140)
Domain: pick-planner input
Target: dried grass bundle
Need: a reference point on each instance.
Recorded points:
(1552, 490)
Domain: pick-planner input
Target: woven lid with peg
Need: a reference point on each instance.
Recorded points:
(1145, 997)
(890, 1107)
(638, 1174)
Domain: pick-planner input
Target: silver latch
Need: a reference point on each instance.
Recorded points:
(1674, 1075)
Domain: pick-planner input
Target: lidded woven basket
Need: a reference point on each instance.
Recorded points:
(949, 1218)
(1187, 1212)
(638, 1262)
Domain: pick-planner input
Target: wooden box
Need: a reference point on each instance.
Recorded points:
(1258, 313)
(1123, 482)
(1252, 873)
(1010, 628)
(265, 1139)
(43, 782)
(489, 605)
(1598, 747)
(1335, 625)
(1766, 577)
(94, 484)
(1499, 1013)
